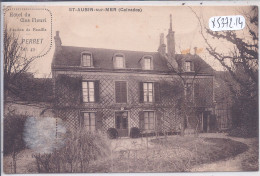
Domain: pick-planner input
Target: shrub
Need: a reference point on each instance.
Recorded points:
(243, 132)
(80, 149)
(13, 133)
(13, 136)
(134, 132)
(112, 133)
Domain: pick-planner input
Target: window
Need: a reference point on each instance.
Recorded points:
(188, 66)
(147, 63)
(121, 91)
(88, 91)
(119, 61)
(148, 92)
(89, 121)
(149, 120)
(86, 60)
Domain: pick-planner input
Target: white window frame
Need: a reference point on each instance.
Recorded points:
(146, 57)
(148, 94)
(91, 59)
(116, 56)
(119, 61)
(88, 92)
(149, 121)
(89, 127)
(188, 66)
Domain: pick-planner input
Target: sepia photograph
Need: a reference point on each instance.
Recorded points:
(129, 88)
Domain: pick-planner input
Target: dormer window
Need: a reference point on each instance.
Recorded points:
(119, 61)
(147, 63)
(188, 66)
(86, 59)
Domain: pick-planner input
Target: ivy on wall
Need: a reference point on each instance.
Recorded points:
(68, 91)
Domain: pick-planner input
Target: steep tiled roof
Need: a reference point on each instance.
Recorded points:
(200, 65)
(102, 58)
(69, 56)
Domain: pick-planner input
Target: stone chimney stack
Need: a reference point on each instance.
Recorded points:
(57, 41)
(162, 47)
(170, 41)
(161, 39)
(195, 50)
(171, 47)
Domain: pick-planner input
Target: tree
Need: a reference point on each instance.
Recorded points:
(16, 63)
(188, 105)
(187, 67)
(18, 83)
(241, 64)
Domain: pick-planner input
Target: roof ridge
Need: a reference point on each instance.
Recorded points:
(112, 49)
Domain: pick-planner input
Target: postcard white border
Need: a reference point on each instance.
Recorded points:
(123, 3)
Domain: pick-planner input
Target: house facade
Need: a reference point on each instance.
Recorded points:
(98, 89)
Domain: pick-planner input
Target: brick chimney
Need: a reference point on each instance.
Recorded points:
(170, 41)
(162, 46)
(57, 41)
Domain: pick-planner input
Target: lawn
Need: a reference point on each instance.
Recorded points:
(250, 161)
(171, 154)
(174, 154)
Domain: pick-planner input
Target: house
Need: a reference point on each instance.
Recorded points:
(98, 89)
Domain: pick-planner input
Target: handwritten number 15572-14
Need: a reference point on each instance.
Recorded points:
(223, 23)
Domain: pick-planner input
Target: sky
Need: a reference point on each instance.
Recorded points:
(137, 31)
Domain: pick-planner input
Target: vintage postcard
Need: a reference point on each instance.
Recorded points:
(136, 88)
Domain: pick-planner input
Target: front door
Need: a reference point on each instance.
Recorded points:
(122, 123)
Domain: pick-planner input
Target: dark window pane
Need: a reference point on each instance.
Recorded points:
(118, 121)
(124, 124)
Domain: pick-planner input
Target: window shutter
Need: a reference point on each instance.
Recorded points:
(123, 92)
(141, 120)
(141, 91)
(157, 94)
(81, 119)
(80, 90)
(117, 91)
(96, 91)
(99, 116)
(159, 122)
